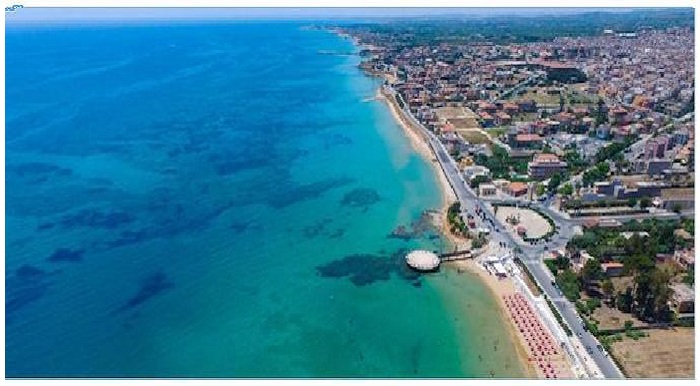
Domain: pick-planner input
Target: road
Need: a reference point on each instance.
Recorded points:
(531, 255)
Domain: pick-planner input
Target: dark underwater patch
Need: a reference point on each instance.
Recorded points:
(316, 229)
(239, 227)
(45, 226)
(27, 285)
(151, 286)
(421, 228)
(249, 156)
(128, 238)
(286, 197)
(361, 198)
(169, 219)
(338, 233)
(29, 272)
(364, 269)
(229, 167)
(67, 255)
(93, 218)
(333, 140)
(41, 169)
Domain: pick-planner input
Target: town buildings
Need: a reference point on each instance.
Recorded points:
(545, 165)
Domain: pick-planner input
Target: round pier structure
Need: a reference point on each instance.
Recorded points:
(422, 260)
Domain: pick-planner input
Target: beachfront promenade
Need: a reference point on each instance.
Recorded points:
(531, 255)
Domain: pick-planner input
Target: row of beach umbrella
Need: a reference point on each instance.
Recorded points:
(539, 341)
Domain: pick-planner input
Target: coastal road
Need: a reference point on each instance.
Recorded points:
(532, 254)
(568, 312)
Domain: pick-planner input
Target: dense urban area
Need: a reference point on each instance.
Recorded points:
(570, 141)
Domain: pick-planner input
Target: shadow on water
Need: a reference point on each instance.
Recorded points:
(365, 269)
(150, 287)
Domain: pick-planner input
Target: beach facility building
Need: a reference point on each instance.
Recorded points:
(496, 265)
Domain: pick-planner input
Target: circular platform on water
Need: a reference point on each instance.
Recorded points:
(423, 260)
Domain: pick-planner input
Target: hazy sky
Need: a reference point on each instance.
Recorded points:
(38, 15)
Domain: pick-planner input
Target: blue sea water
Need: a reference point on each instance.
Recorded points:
(216, 200)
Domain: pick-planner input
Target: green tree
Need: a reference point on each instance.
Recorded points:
(677, 208)
(478, 180)
(689, 277)
(645, 202)
(689, 225)
(608, 289)
(569, 284)
(628, 325)
(601, 115)
(554, 182)
(632, 202)
(603, 168)
(661, 293)
(540, 189)
(591, 271)
(562, 263)
(479, 241)
(566, 190)
(624, 300)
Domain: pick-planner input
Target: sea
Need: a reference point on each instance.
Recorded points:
(222, 200)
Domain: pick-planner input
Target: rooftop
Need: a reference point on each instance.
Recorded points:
(545, 158)
(528, 137)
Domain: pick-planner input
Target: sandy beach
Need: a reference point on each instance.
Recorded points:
(421, 146)
(497, 287)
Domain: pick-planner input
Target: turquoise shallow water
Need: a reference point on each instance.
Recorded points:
(215, 201)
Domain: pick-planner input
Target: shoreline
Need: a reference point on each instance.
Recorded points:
(496, 288)
(448, 196)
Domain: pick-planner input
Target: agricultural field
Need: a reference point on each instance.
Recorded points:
(475, 136)
(613, 319)
(662, 354)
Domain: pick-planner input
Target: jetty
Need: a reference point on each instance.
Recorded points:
(456, 255)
